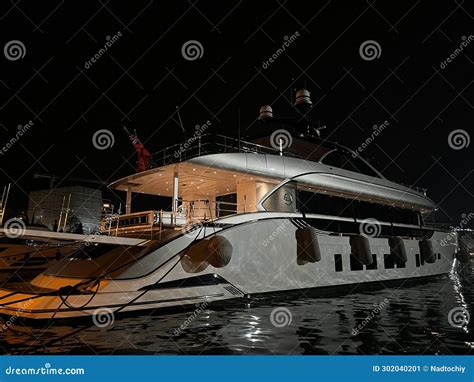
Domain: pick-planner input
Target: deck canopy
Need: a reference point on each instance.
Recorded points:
(192, 178)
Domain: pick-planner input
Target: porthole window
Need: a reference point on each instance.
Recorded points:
(417, 259)
(338, 262)
(401, 265)
(356, 265)
(374, 263)
(389, 261)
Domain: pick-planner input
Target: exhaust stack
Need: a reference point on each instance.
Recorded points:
(266, 112)
(303, 100)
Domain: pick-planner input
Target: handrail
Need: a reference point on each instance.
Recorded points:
(307, 216)
(160, 218)
(157, 218)
(217, 143)
(211, 201)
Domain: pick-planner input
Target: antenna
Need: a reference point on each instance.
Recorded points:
(61, 215)
(238, 114)
(126, 130)
(180, 121)
(67, 213)
(3, 202)
(319, 128)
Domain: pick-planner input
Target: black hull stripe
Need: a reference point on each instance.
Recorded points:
(115, 305)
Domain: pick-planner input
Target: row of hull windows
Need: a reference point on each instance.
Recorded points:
(311, 202)
(388, 259)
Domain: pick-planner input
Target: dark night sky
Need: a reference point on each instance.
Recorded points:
(143, 76)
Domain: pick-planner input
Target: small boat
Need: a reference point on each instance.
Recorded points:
(24, 256)
(284, 212)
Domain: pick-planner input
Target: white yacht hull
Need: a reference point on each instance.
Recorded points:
(263, 260)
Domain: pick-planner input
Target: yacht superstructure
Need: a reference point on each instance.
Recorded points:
(247, 218)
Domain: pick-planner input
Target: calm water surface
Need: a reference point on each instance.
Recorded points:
(409, 320)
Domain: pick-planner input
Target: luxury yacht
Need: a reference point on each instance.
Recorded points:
(281, 212)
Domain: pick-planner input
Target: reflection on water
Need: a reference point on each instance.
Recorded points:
(410, 320)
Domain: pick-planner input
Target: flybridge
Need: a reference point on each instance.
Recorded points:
(209, 168)
(207, 144)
